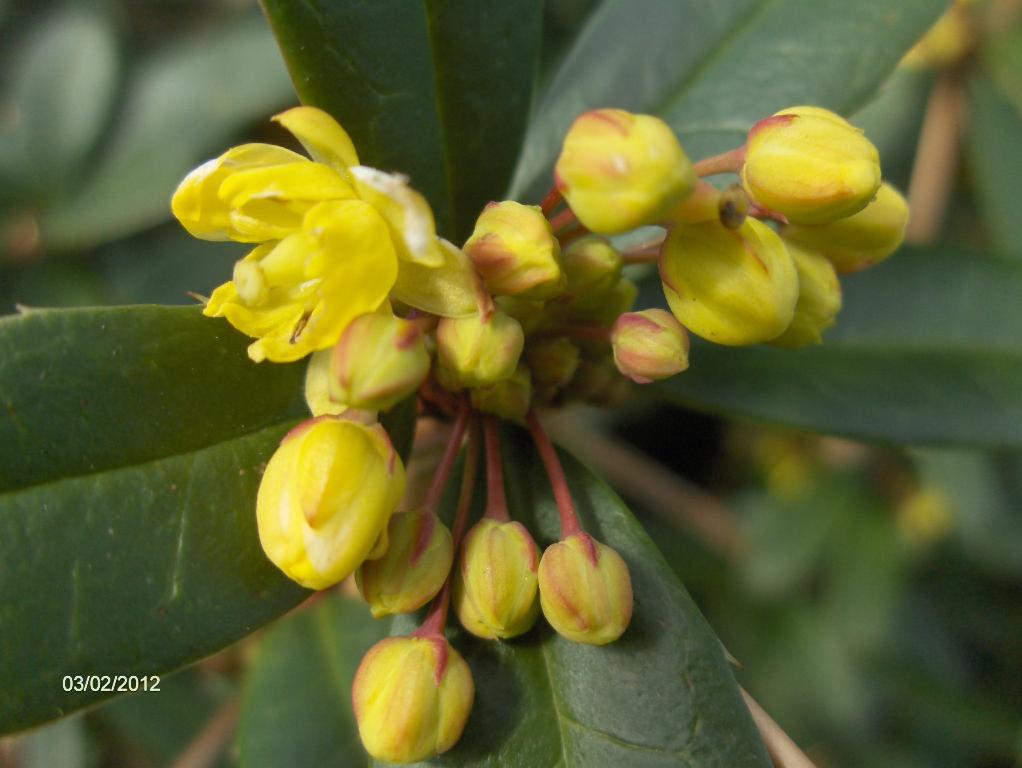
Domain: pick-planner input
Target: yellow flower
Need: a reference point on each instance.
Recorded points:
(326, 496)
(514, 250)
(585, 590)
(861, 240)
(495, 586)
(412, 697)
(333, 239)
(297, 295)
(811, 165)
(414, 567)
(730, 286)
(619, 171)
(819, 299)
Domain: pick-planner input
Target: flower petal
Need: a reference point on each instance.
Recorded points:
(452, 289)
(406, 211)
(322, 136)
(197, 203)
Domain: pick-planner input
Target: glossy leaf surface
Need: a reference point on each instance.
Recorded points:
(132, 441)
(436, 89)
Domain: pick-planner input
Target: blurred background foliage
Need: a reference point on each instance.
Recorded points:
(872, 596)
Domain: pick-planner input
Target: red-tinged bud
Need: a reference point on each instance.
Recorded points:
(649, 345)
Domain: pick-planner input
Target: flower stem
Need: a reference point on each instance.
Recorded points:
(726, 162)
(558, 482)
(551, 201)
(436, 619)
(496, 499)
(563, 219)
(443, 471)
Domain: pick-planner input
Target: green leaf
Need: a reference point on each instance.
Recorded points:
(995, 131)
(296, 701)
(132, 442)
(663, 695)
(926, 351)
(63, 85)
(86, 391)
(436, 89)
(713, 69)
(183, 105)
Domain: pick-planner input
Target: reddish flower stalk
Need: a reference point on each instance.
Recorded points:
(436, 619)
(551, 201)
(563, 220)
(443, 471)
(496, 499)
(558, 482)
(725, 162)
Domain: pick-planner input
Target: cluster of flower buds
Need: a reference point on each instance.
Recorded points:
(757, 262)
(534, 309)
(328, 508)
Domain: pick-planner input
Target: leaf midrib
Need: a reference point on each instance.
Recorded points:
(724, 43)
(570, 721)
(441, 122)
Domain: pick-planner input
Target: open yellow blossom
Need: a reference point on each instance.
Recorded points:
(333, 237)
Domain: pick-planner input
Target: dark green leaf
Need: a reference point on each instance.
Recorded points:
(663, 695)
(915, 358)
(182, 105)
(713, 69)
(132, 441)
(995, 134)
(436, 89)
(296, 705)
(85, 391)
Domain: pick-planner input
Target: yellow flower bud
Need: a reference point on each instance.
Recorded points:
(379, 360)
(412, 697)
(649, 345)
(861, 240)
(414, 567)
(514, 250)
(819, 299)
(317, 386)
(585, 590)
(552, 361)
(731, 287)
(811, 165)
(495, 587)
(619, 171)
(474, 352)
(592, 267)
(327, 493)
(509, 398)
